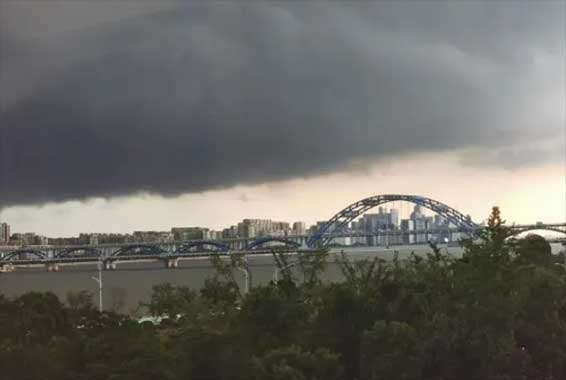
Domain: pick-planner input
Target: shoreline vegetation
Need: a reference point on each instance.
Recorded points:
(498, 312)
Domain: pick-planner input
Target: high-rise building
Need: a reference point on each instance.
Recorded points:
(382, 221)
(4, 233)
(28, 238)
(408, 225)
(250, 228)
(299, 228)
(190, 233)
(315, 228)
(152, 236)
(394, 217)
(440, 221)
(230, 232)
(422, 223)
(378, 224)
(417, 213)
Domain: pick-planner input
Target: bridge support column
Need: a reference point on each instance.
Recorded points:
(52, 267)
(171, 263)
(109, 265)
(7, 268)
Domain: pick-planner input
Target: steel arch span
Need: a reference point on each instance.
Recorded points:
(139, 250)
(21, 255)
(259, 243)
(77, 252)
(187, 248)
(517, 232)
(341, 219)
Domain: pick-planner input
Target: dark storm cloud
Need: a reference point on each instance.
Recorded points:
(215, 95)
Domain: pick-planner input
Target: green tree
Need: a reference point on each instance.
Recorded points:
(38, 316)
(271, 317)
(171, 301)
(534, 249)
(390, 350)
(293, 363)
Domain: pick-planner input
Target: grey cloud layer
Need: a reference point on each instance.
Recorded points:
(216, 95)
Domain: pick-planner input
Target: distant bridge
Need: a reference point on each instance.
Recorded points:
(334, 230)
(343, 218)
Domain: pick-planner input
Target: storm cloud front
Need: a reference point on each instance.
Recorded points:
(212, 95)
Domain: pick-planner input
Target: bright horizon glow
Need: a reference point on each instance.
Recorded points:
(525, 196)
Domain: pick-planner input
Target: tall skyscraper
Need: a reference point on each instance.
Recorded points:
(250, 228)
(299, 228)
(417, 213)
(190, 233)
(394, 216)
(383, 220)
(4, 233)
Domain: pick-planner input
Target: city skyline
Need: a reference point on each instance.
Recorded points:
(396, 212)
(296, 227)
(382, 219)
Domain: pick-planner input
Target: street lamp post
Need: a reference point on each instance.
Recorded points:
(99, 281)
(246, 271)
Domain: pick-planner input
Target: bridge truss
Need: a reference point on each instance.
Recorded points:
(338, 222)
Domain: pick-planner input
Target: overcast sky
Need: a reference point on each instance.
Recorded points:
(143, 115)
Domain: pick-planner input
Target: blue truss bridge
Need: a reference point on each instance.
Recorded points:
(328, 234)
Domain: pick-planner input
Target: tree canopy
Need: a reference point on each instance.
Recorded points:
(498, 312)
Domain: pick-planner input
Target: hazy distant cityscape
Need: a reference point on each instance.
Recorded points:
(385, 220)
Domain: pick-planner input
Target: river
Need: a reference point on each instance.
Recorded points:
(132, 282)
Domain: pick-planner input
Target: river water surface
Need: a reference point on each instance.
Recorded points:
(132, 282)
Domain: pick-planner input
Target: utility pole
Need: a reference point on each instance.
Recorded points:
(99, 281)
(246, 271)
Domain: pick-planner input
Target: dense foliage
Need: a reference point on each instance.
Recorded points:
(499, 312)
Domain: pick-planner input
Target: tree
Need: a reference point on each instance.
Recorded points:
(389, 350)
(225, 270)
(38, 317)
(211, 351)
(170, 301)
(220, 293)
(534, 249)
(492, 247)
(293, 363)
(271, 318)
(80, 300)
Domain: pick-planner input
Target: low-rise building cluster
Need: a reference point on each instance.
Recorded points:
(369, 229)
(246, 229)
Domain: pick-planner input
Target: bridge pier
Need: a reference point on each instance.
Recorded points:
(7, 267)
(109, 265)
(52, 267)
(172, 263)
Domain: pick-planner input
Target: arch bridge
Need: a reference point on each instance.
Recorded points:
(338, 222)
(201, 246)
(556, 228)
(267, 241)
(79, 252)
(24, 254)
(139, 250)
